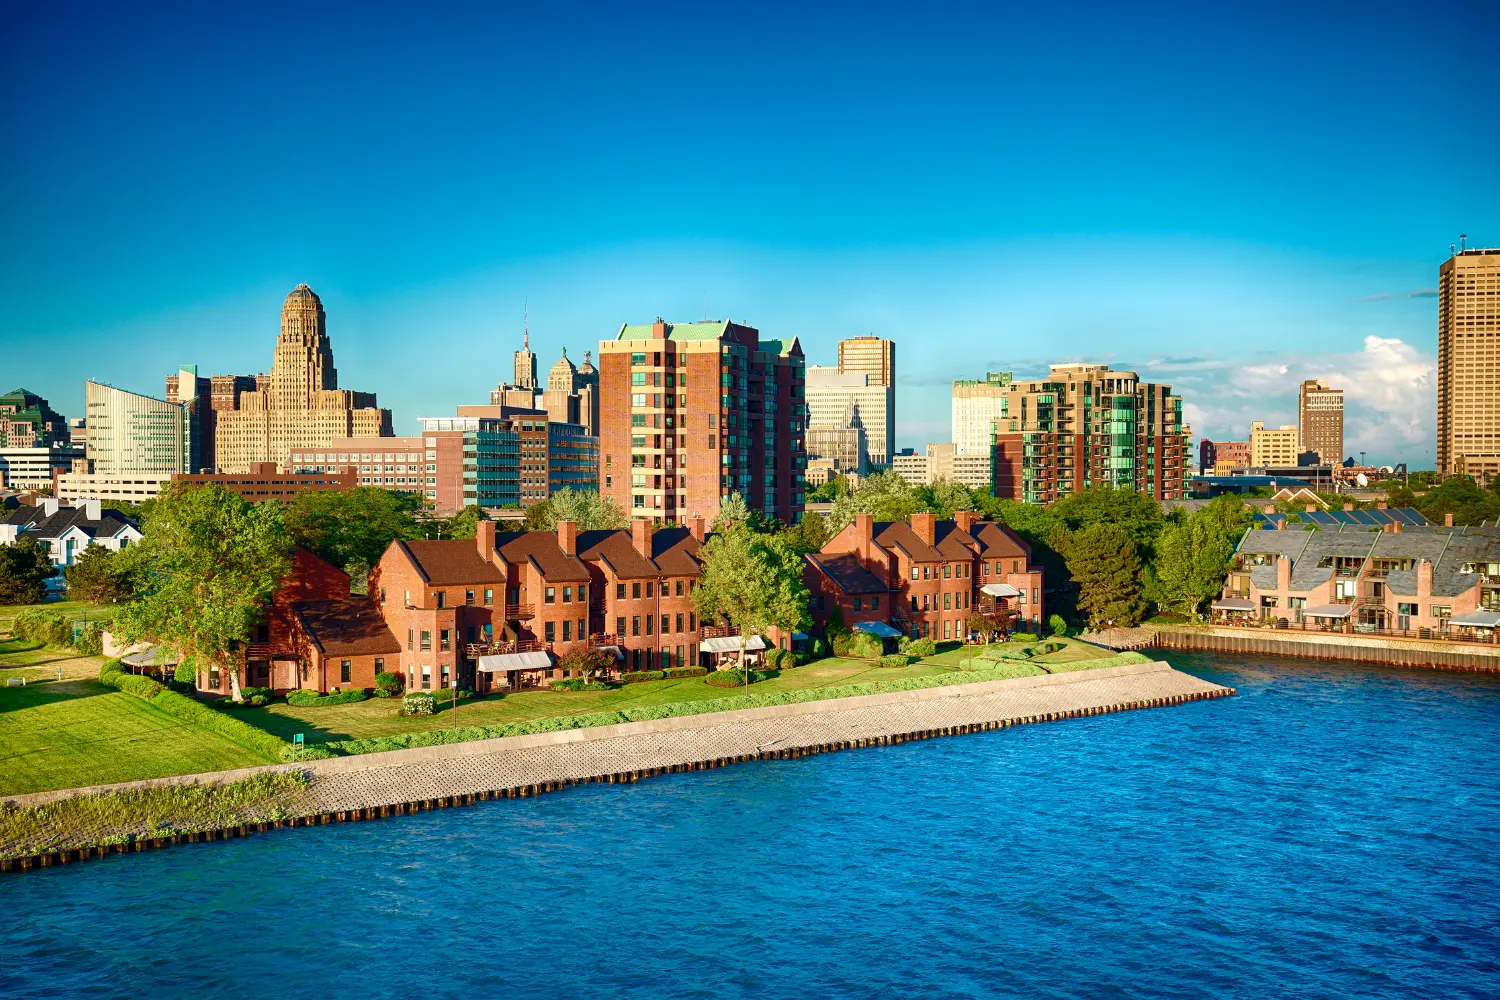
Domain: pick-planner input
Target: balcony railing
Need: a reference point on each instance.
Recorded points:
(514, 646)
(1470, 634)
(513, 611)
(604, 639)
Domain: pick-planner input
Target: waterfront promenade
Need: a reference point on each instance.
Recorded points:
(1433, 654)
(372, 785)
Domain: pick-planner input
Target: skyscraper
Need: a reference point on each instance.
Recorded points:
(875, 358)
(1468, 418)
(976, 408)
(525, 362)
(130, 433)
(1320, 421)
(712, 410)
(299, 404)
(838, 400)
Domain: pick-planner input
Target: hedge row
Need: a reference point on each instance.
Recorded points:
(647, 713)
(191, 711)
(640, 676)
(314, 699)
(578, 684)
(733, 677)
(674, 672)
(894, 660)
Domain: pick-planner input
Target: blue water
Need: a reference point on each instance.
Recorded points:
(1333, 831)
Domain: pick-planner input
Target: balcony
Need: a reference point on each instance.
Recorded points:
(474, 649)
(604, 639)
(516, 612)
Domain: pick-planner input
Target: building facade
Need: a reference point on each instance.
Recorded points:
(942, 461)
(978, 408)
(1219, 457)
(713, 410)
(66, 530)
(1273, 446)
(1086, 425)
(204, 398)
(1320, 421)
(298, 405)
(1468, 396)
(839, 400)
(842, 449)
(28, 421)
(134, 434)
(870, 355)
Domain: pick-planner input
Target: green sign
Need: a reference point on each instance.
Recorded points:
(297, 739)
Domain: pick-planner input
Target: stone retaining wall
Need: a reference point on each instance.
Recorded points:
(1361, 649)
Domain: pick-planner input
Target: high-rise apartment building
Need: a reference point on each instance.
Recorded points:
(713, 410)
(298, 405)
(1320, 421)
(551, 454)
(977, 408)
(131, 433)
(838, 400)
(1468, 419)
(1273, 446)
(1085, 425)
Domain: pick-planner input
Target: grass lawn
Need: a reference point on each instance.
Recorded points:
(73, 610)
(62, 734)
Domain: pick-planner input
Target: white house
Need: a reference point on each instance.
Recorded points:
(66, 531)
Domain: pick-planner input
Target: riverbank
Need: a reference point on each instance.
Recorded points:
(402, 781)
(1433, 655)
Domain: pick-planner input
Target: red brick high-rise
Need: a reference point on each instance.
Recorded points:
(693, 412)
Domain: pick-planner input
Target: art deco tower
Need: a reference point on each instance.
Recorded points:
(303, 363)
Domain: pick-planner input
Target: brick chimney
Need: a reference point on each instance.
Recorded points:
(1283, 573)
(925, 525)
(1448, 520)
(1269, 508)
(1424, 577)
(567, 537)
(1395, 527)
(659, 329)
(484, 539)
(1312, 508)
(1348, 506)
(864, 532)
(640, 535)
(1381, 505)
(695, 527)
(964, 519)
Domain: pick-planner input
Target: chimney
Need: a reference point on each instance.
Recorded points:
(640, 535)
(1348, 506)
(659, 329)
(1424, 577)
(48, 506)
(91, 510)
(567, 537)
(964, 519)
(695, 527)
(864, 532)
(1381, 505)
(1448, 519)
(1386, 528)
(1312, 508)
(1283, 573)
(1268, 509)
(484, 539)
(1395, 527)
(925, 525)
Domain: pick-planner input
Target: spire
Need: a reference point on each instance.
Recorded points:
(526, 325)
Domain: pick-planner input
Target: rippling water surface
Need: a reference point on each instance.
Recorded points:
(1333, 831)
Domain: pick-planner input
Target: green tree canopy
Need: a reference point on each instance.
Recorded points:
(1139, 515)
(1106, 563)
(751, 580)
(1193, 556)
(352, 528)
(215, 563)
(884, 495)
(733, 510)
(98, 576)
(585, 508)
(810, 535)
(25, 568)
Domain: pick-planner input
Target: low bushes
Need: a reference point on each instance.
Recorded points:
(920, 647)
(418, 703)
(90, 641)
(313, 699)
(780, 659)
(578, 684)
(731, 678)
(895, 660)
(142, 687)
(388, 682)
(1057, 625)
(637, 676)
(1024, 637)
(857, 644)
(674, 672)
(40, 625)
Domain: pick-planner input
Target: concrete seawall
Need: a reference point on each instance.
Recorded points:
(1338, 646)
(404, 781)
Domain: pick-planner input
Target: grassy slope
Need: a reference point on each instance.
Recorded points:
(70, 733)
(79, 610)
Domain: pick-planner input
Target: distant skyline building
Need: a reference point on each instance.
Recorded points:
(837, 400)
(874, 357)
(35, 442)
(1214, 456)
(1320, 421)
(130, 433)
(942, 461)
(299, 404)
(1273, 446)
(977, 407)
(1468, 390)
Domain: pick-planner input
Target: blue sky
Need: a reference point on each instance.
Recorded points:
(1230, 198)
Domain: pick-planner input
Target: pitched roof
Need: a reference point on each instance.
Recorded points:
(451, 561)
(541, 547)
(998, 541)
(675, 551)
(345, 627)
(35, 521)
(846, 572)
(954, 542)
(676, 331)
(901, 535)
(615, 548)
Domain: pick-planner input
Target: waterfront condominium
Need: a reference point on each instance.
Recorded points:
(699, 411)
(1468, 391)
(1085, 425)
(1320, 422)
(299, 405)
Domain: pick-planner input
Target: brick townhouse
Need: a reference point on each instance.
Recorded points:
(924, 577)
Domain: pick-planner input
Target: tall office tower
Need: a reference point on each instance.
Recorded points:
(712, 410)
(1468, 418)
(1085, 425)
(876, 358)
(525, 362)
(1273, 446)
(298, 404)
(130, 433)
(977, 407)
(29, 421)
(204, 398)
(1320, 422)
(846, 399)
(571, 394)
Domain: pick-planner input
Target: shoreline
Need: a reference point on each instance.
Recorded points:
(399, 782)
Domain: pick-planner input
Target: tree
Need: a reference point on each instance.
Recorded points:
(733, 510)
(585, 663)
(945, 496)
(752, 581)
(830, 491)
(97, 576)
(585, 508)
(215, 563)
(884, 495)
(25, 568)
(1137, 514)
(1192, 558)
(464, 524)
(351, 528)
(1106, 563)
(810, 535)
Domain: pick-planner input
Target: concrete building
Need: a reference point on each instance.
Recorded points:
(132, 434)
(1273, 446)
(299, 404)
(1086, 425)
(1216, 458)
(838, 400)
(36, 468)
(910, 466)
(204, 398)
(942, 461)
(840, 448)
(713, 410)
(572, 394)
(1320, 422)
(978, 408)
(28, 421)
(871, 355)
(77, 486)
(1468, 390)
(265, 481)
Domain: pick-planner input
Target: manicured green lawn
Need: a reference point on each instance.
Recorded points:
(79, 610)
(62, 734)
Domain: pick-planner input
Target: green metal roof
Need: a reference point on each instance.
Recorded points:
(780, 346)
(676, 331)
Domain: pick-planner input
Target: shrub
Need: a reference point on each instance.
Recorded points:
(578, 684)
(186, 673)
(90, 641)
(685, 672)
(817, 649)
(388, 682)
(859, 644)
(1057, 625)
(637, 676)
(43, 626)
(142, 687)
(309, 751)
(1024, 637)
(313, 699)
(731, 678)
(418, 703)
(894, 660)
(585, 663)
(780, 659)
(383, 693)
(920, 647)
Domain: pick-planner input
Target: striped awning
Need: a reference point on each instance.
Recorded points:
(999, 590)
(536, 659)
(731, 644)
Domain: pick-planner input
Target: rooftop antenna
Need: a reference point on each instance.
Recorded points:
(1461, 238)
(705, 307)
(526, 324)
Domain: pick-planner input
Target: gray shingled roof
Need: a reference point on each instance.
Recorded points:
(1448, 549)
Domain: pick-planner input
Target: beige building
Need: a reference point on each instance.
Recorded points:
(942, 461)
(837, 400)
(1320, 421)
(130, 433)
(871, 355)
(1276, 446)
(301, 405)
(75, 487)
(1468, 419)
(977, 408)
(875, 359)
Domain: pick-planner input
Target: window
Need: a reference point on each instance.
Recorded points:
(635, 625)
(679, 624)
(679, 593)
(874, 604)
(382, 595)
(582, 596)
(426, 641)
(444, 642)
(925, 572)
(648, 591)
(346, 671)
(1442, 611)
(947, 572)
(666, 624)
(567, 631)
(650, 622)
(620, 626)
(213, 678)
(947, 630)
(635, 591)
(692, 621)
(550, 595)
(380, 664)
(856, 604)
(408, 640)
(489, 596)
(469, 597)
(914, 572)
(442, 599)
(619, 592)
(568, 594)
(426, 677)
(947, 601)
(549, 631)
(679, 657)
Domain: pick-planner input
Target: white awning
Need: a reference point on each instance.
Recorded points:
(151, 656)
(999, 590)
(1329, 611)
(1234, 604)
(878, 629)
(731, 644)
(1481, 619)
(537, 659)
